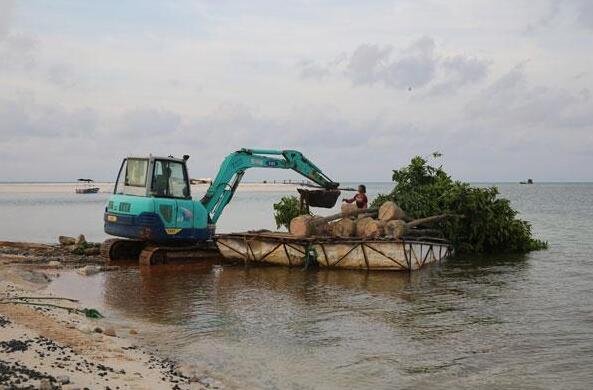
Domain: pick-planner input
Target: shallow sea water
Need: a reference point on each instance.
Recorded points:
(479, 322)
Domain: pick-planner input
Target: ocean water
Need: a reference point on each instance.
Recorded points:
(488, 322)
(41, 213)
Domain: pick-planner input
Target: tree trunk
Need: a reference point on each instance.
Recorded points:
(373, 229)
(390, 211)
(398, 228)
(301, 226)
(308, 225)
(361, 225)
(395, 228)
(349, 208)
(345, 227)
(434, 218)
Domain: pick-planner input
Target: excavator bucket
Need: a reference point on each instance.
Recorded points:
(319, 198)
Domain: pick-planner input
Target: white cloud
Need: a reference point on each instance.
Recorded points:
(6, 11)
(585, 13)
(415, 66)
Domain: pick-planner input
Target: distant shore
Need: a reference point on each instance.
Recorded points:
(107, 187)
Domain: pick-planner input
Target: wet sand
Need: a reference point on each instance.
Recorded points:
(52, 348)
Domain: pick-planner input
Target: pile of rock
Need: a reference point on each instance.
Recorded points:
(79, 245)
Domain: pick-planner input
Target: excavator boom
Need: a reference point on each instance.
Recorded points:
(233, 168)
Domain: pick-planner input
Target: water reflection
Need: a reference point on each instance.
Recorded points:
(163, 294)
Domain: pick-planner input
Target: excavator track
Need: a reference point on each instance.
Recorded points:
(154, 254)
(148, 253)
(121, 249)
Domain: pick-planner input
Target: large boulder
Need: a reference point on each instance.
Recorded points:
(66, 240)
(80, 240)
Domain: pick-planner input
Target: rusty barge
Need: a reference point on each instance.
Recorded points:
(277, 248)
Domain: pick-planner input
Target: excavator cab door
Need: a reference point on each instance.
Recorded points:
(170, 188)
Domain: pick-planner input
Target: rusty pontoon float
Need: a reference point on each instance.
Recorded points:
(405, 254)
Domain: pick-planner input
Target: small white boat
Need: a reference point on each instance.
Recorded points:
(86, 186)
(330, 252)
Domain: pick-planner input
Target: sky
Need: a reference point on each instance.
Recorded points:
(503, 89)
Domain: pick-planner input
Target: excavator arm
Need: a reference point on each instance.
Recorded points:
(233, 168)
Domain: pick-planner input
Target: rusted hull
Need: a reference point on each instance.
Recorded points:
(375, 254)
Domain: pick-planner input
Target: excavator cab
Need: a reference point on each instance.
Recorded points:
(152, 201)
(153, 176)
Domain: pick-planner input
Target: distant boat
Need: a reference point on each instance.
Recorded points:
(86, 186)
(202, 180)
(529, 181)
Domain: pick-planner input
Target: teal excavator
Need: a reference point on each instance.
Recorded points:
(156, 218)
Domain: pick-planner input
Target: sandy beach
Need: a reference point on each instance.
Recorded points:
(46, 347)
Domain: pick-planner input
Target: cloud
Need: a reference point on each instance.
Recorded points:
(571, 11)
(6, 11)
(146, 122)
(63, 76)
(313, 70)
(585, 13)
(511, 101)
(415, 67)
(17, 52)
(25, 118)
(367, 63)
(459, 71)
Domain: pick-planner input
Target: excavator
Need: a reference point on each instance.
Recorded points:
(156, 219)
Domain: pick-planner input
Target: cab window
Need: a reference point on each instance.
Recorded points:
(169, 180)
(132, 177)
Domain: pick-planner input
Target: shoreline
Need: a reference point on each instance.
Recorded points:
(54, 348)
